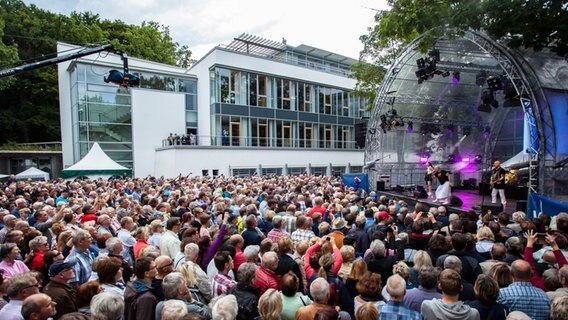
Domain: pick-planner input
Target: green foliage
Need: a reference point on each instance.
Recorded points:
(369, 77)
(30, 102)
(535, 24)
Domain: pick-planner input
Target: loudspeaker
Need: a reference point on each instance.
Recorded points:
(380, 185)
(360, 134)
(420, 193)
(495, 208)
(455, 201)
(522, 205)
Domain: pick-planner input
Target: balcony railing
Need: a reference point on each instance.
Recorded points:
(261, 142)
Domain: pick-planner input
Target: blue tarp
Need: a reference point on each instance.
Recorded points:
(349, 181)
(539, 203)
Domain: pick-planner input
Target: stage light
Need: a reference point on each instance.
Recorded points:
(478, 159)
(486, 132)
(465, 159)
(445, 74)
(487, 101)
(511, 97)
(455, 77)
(480, 78)
(423, 159)
(451, 158)
(494, 83)
(466, 131)
(410, 127)
(434, 54)
(421, 64)
(450, 128)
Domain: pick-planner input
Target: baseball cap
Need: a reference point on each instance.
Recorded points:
(59, 266)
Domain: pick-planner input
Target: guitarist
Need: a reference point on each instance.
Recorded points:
(498, 183)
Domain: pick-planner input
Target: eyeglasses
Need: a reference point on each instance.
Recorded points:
(31, 286)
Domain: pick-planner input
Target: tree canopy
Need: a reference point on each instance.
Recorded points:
(534, 24)
(30, 102)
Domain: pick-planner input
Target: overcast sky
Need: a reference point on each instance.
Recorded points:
(333, 25)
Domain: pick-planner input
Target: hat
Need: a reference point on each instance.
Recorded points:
(383, 215)
(338, 223)
(59, 266)
(357, 199)
(75, 208)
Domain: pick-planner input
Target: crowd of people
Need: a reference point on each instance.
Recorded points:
(268, 248)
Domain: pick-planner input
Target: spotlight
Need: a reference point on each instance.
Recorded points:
(450, 128)
(455, 77)
(494, 83)
(487, 101)
(410, 127)
(511, 96)
(451, 158)
(445, 74)
(480, 78)
(486, 132)
(421, 63)
(434, 54)
(423, 159)
(478, 159)
(466, 131)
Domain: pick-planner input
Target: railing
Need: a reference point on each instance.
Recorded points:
(260, 142)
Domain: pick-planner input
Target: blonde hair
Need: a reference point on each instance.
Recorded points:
(368, 311)
(421, 258)
(326, 263)
(188, 273)
(484, 233)
(347, 253)
(401, 268)
(270, 305)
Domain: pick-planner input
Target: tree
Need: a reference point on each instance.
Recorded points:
(30, 102)
(535, 24)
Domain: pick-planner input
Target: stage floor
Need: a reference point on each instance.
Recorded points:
(470, 199)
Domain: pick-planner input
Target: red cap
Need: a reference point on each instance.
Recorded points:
(383, 215)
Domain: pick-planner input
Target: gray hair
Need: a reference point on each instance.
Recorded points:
(191, 251)
(277, 222)
(246, 272)
(9, 217)
(107, 306)
(251, 252)
(17, 283)
(112, 243)
(270, 260)
(518, 315)
(396, 286)
(80, 235)
(173, 310)
(171, 283)
(454, 263)
(378, 248)
(225, 308)
(519, 217)
(320, 290)
(31, 305)
(34, 243)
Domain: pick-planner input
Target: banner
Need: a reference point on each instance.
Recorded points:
(359, 181)
(539, 203)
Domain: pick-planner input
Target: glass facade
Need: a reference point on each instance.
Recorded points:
(313, 115)
(102, 112)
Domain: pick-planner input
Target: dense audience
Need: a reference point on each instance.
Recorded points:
(268, 248)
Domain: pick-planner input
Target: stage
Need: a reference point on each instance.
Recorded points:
(471, 200)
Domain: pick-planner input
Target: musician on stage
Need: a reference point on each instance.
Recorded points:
(444, 190)
(429, 178)
(498, 183)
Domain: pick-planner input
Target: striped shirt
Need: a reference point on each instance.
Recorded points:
(83, 267)
(221, 284)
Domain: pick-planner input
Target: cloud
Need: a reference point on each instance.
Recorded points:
(332, 25)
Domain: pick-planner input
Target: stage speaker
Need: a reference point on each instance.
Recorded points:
(495, 208)
(522, 205)
(420, 193)
(360, 134)
(380, 185)
(455, 201)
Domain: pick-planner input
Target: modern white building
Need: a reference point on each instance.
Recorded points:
(253, 106)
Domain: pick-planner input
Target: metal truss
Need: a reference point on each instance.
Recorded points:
(525, 83)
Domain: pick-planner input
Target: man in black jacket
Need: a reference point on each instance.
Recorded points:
(379, 261)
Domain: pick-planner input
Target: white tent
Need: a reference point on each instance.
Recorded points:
(519, 160)
(95, 164)
(32, 173)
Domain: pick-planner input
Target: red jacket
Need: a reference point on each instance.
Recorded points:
(266, 279)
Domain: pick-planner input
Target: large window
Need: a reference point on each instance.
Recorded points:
(305, 97)
(284, 94)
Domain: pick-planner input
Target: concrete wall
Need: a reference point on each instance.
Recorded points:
(155, 114)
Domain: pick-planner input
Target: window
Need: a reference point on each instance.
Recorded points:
(262, 91)
(304, 97)
(306, 135)
(234, 86)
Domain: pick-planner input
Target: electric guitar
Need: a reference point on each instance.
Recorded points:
(497, 177)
